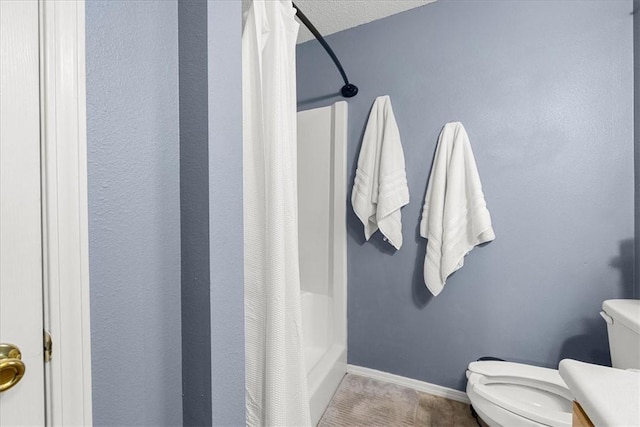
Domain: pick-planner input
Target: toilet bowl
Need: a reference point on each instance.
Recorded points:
(514, 394)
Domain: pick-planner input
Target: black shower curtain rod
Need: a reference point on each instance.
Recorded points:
(348, 90)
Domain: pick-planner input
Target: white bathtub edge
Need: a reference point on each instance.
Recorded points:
(434, 389)
(324, 379)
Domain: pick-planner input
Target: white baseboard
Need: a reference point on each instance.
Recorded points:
(422, 386)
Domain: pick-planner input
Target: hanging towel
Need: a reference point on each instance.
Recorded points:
(455, 217)
(380, 188)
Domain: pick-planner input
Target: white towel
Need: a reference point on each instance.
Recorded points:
(380, 188)
(455, 217)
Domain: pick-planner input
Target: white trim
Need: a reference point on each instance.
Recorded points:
(422, 386)
(65, 221)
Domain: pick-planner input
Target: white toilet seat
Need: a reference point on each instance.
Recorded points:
(514, 394)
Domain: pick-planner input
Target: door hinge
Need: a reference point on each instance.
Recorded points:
(48, 346)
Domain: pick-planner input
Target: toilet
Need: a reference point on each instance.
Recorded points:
(514, 394)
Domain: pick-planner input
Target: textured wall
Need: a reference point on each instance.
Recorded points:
(194, 213)
(211, 212)
(225, 211)
(134, 211)
(545, 92)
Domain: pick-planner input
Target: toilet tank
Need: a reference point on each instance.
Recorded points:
(623, 326)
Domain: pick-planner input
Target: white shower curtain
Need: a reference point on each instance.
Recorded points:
(276, 382)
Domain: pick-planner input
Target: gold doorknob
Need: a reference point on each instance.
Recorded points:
(11, 367)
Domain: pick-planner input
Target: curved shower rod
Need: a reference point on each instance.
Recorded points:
(348, 90)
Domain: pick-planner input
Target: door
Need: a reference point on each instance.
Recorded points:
(21, 317)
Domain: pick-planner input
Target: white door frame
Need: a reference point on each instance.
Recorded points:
(64, 211)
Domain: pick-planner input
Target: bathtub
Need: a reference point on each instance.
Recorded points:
(322, 204)
(326, 360)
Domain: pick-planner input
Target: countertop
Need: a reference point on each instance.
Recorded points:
(609, 396)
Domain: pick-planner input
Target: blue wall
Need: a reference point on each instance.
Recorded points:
(226, 246)
(211, 212)
(544, 90)
(194, 213)
(134, 211)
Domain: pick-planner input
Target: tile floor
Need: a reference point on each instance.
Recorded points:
(361, 402)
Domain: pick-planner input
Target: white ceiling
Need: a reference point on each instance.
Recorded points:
(331, 16)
